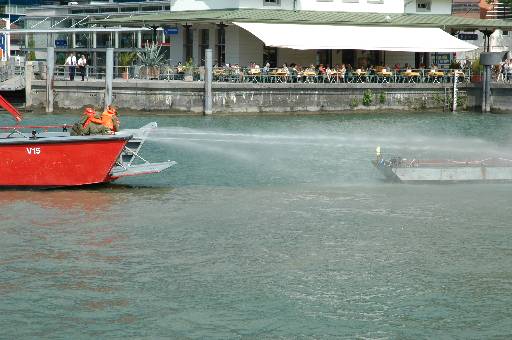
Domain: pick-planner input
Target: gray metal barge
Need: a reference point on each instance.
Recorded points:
(402, 170)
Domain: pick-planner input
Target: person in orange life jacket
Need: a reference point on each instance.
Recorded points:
(109, 119)
(90, 117)
(93, 125)
(89, 124)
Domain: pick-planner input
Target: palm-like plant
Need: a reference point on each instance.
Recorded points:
(126, 58)
(151, 55)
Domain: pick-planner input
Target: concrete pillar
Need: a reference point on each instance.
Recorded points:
(484, 87)
(455, 90)
(109, 74)
(139, 39)
(29, 72)
(94, 54)
(50, 64)
(73, 40)
(208, 75)
(116, 39)
(487, 84)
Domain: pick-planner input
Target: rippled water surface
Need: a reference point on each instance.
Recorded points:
(268, 227)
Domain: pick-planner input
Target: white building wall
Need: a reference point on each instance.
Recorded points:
(436, 7)
(374, 6)
(198, 5)
(176, 41)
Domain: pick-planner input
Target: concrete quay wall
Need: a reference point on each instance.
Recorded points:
(187, 97)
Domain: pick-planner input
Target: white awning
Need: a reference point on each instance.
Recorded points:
(319, 37)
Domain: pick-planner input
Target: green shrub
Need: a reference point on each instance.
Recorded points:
(382, 98)
(31, 44)
(367, 97)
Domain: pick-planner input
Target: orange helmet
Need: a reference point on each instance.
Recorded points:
(89, 111)
(111, 110)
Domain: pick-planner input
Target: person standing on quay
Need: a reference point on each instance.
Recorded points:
(82, 63)
(71, 62)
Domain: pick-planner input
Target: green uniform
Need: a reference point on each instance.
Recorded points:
(91, 129)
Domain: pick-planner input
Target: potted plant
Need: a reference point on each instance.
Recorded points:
(454, 65)
(188, 68)
(151, 60)
(476, 71)
(125, 60)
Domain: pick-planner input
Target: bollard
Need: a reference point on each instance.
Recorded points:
(50, 64)
(109, 75)
(208, 75)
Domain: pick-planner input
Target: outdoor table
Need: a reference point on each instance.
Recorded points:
(279, 76)
(435, 75)
(310, 76)
(384, 76)
(458, 74)
(360, 76)
(219, 74)
(254, 75)
(334, 77)
(411, 77)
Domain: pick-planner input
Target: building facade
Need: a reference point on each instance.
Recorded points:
(233, 45)
(188, 36)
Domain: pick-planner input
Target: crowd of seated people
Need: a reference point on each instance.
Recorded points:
(338, 73)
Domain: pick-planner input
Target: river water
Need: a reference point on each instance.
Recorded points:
(268, 227)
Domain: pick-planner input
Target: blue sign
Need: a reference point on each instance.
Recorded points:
(61, 43)
(468, 36)
(3, 47)
(171, 30)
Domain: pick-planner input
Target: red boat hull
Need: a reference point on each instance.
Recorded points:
(70, 161)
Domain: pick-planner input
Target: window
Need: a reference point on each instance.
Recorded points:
(423, 5)
(188, 44)
(129, 9)
(221, 44)
(271, 2)
(270, 56)
(151, 9)
(205, 44)
(324, 57)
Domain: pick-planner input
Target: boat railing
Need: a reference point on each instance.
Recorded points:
(19, 130)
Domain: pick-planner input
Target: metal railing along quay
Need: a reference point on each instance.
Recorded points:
(11, 70)
(279, 75)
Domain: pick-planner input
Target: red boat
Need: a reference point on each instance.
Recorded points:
(48, 156)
